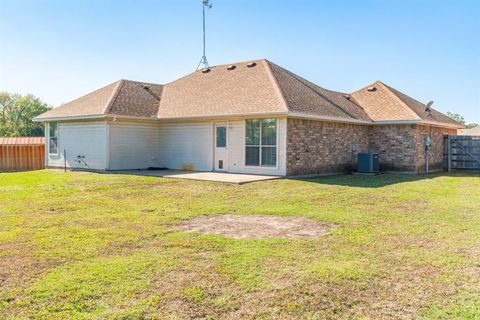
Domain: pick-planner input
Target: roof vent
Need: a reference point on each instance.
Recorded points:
(207, 70)
(251, 64)
(346, 96)
(145, 86)
(232, 67)
(372, 88)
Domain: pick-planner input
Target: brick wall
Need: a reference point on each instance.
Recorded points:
(396, 144)
(315, 147)
(435, 153)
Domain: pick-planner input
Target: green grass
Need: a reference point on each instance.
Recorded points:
(82, 245)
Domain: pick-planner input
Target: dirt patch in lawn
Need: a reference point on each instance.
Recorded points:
(256, 226)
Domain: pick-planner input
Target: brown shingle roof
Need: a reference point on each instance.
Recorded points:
(470, 132)
(384, 103)
(136, 99)
(219, 91)
(303, 96)
(93, 103)
(123, 97)
(250, 88)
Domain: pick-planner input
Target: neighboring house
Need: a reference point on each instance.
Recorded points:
(250, 117)
(470, 132)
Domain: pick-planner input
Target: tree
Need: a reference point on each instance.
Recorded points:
(17, 112)
(459, 118)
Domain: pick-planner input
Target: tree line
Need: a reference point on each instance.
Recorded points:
(17, 112)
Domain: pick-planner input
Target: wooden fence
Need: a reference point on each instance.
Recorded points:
(462, 152)
(21, 154)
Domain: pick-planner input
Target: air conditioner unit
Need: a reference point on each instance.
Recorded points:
(368, 162)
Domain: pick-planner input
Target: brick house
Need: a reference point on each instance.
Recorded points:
(250, 117)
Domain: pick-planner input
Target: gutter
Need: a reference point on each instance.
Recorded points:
(252, 115)
(87, 117)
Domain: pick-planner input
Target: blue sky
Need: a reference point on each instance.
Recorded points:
(429, 49)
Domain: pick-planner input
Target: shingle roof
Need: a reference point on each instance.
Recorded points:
(470, 132)
(123, 97)
(384, 103)
(246, 88)
(220, 91)
(136, 99)
(303, 96)
(24, 141)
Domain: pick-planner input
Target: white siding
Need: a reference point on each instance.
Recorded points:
(133, 145)
(85, 139)
(186, 145)
(236, 149)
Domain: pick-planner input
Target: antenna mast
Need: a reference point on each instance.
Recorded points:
(203, 60)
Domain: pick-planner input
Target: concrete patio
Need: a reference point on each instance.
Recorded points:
(225, 177)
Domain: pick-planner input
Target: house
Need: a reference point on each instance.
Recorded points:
(470, 132)
(251, 117)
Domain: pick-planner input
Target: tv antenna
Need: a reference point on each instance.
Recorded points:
(428, 108)
(203, 61)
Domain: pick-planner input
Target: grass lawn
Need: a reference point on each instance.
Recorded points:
(92, 246)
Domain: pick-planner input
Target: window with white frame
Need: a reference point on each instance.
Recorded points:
(261, 142)
(53, 138)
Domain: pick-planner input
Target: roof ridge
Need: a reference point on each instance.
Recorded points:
(233, 63)
(371, 84)
(142, 82)
(389, 90)
(275, 83)
(114, 96)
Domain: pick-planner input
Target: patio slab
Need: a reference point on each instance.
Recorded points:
(225, 177)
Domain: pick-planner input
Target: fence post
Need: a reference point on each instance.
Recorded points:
(64, 160)
(449, 152)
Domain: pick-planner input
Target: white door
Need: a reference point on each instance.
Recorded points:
(221, 147)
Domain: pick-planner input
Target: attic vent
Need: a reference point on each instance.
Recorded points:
(251, 64)
(207, 70)
(346, 96)
(232, 67)
(372, 88)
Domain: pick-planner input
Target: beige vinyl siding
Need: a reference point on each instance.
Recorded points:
(236, 149)
(186, 145)
(133, 144)
(85, 139)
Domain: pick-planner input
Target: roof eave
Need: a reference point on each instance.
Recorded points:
(92, 117)
(226, 115)
(326, 118)
(432, 123)
(80, 117)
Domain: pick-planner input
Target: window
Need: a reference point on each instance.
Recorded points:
(221, 137)
(261, 142)
(53, 138)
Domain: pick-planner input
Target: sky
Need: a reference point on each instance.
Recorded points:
(59, 50)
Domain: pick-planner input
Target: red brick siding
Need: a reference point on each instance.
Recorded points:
(315, 147)
(435, 153)
(396, 145)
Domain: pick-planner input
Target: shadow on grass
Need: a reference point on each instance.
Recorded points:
(382, 180)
